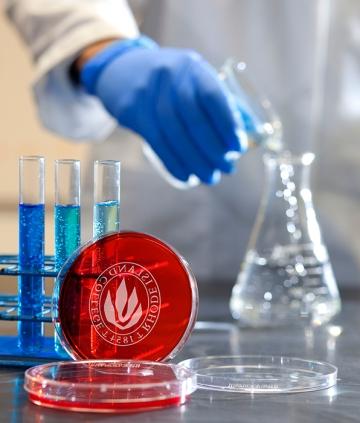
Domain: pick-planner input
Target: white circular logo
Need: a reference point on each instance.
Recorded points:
(124, 304)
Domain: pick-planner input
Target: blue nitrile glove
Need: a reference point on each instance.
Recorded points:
(173, 99)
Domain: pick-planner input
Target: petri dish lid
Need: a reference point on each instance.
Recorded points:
(109, 386)
(261, 374)
(126, 295)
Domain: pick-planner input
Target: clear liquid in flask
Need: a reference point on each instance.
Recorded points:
(286, 277)
(293, 289)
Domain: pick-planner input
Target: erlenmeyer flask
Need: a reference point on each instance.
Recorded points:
(286, 277)
(253, 111)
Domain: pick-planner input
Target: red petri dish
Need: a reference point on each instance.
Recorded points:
(109, 386)
(127, 295)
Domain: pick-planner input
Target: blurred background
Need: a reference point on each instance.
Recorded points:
(321, 77)
(22, 134)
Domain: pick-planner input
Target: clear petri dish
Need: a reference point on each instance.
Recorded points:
(126, 295)
(109, 386)
(261, 374)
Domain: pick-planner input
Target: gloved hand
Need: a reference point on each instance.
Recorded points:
(173, 99)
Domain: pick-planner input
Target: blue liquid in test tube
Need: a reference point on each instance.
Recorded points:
(67, 232)
(67, 216)
(31, 251)
(106, 216)
(67, 209)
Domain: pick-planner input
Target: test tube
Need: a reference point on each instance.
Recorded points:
(66, 216)
(67, 209)
(106, 216)
(31, 250)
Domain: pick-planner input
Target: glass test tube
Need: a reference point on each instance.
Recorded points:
(106, 216)
(67, 209)
(31, 250)
(66, 216)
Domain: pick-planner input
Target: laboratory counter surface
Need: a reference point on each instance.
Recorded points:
(338, 343)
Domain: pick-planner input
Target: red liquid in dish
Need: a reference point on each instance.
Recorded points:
(127, 296)
(108, 386)
(106, 408)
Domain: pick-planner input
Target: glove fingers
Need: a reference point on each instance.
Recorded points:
(221, 113)
(199, 127)
(178, 138)
(147, 126)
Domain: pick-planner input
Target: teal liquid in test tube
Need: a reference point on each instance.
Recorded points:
(106, 216)
(31, 252)
(66, 215)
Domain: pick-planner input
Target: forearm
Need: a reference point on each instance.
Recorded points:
(57, 30)
(90, 51)
(57, 34)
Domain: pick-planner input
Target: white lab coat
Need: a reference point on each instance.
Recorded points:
(285, 43)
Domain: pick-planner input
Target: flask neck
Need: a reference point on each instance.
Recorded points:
(288, 176)
(286, 216)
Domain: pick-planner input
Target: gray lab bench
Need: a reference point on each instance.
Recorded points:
(338, 404)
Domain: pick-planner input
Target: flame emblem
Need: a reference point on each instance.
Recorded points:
(126, 311)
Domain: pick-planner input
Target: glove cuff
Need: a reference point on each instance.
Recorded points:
(91, 71)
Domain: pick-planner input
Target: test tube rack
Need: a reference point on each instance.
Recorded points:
(10, 353)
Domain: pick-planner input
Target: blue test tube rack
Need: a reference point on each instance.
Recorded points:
(10, 353)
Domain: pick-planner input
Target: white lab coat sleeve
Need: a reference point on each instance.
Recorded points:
(55, 31)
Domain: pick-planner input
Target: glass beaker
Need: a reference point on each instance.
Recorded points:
(258, 123)
(262, 125)
(286, 277)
